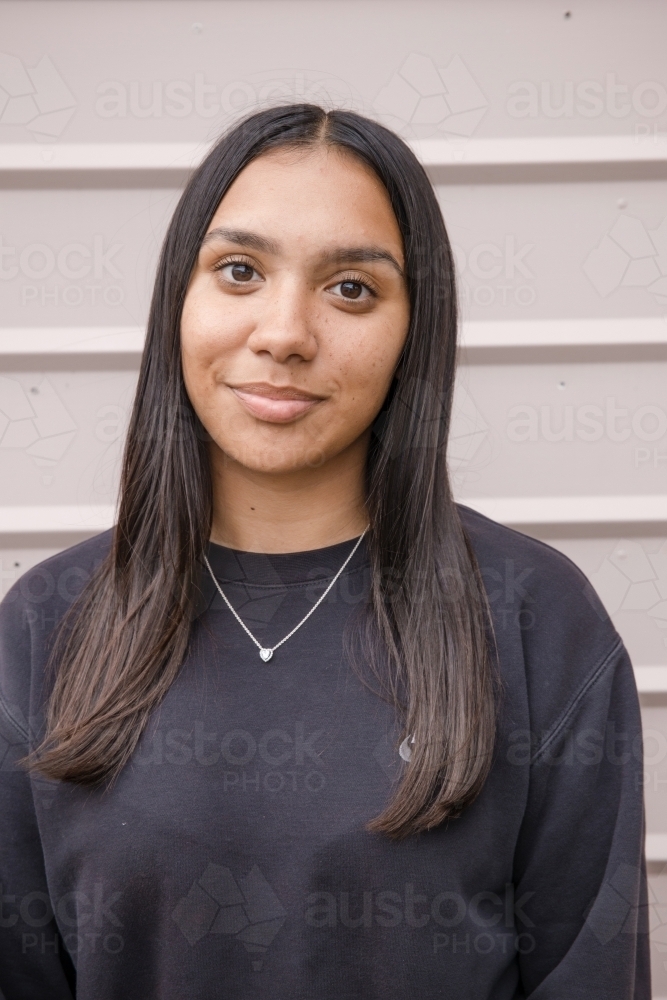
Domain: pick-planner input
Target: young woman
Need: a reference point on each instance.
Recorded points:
(309, 729)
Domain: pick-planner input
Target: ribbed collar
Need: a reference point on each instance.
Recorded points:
(275, 570)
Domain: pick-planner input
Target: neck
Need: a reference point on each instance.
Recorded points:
(290, 511)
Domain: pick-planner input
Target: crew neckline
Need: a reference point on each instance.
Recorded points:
(280, 569)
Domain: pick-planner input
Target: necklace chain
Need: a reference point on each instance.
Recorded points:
(266, 652)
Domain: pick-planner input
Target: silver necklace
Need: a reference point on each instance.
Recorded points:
(266, 652)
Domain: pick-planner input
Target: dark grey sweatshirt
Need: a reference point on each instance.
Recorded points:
(231, 859)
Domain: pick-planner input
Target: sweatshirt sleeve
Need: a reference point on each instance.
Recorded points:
(580, 868)
(34, 963)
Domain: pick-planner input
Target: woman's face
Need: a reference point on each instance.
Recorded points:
(296, 312)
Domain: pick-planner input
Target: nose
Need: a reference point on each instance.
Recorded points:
(285, 328)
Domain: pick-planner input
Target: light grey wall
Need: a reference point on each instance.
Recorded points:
(584, 242)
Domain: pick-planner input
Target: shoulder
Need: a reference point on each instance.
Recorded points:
(523, 570)
(58, 580)
(545, 614)
(31, 612)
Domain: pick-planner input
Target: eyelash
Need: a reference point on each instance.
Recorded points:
(357, 279)
(218, 266)
(352, 277)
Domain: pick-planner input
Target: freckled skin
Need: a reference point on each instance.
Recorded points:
(290, 316)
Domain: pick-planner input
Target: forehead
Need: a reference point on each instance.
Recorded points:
(316, 193)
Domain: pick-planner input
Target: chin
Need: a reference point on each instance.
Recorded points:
(278, 459)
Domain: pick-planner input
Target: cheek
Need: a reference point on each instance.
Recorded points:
(211, 316)
(368, 366)
(210, 334)
(195, 335)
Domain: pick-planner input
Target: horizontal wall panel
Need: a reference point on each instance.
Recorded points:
(511, 70)
(51, 520)
(80, 258)
(476, 336)
(548, 333)
(656, 849)
(551, 430)
(655, 778)
(87, 257)
(33, 342)
(441, 157)
(557, 251)
(519, 443)
(651, 680)
(507, 510)
(564, 510)
(61, 435)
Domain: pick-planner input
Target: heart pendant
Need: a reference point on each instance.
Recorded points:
(266, 654)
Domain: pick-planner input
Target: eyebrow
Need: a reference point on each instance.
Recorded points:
(361, 255)
(340, 255)
(242, 238)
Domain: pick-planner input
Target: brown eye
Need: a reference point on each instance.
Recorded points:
(242, 272)
(238, 272)
(353, 291)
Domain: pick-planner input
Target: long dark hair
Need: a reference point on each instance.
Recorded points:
(425, 633)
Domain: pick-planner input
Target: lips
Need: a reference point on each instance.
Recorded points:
(275, 404)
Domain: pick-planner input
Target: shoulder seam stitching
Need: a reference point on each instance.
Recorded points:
(579, 696)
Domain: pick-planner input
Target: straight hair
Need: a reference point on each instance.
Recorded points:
(424, 633)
